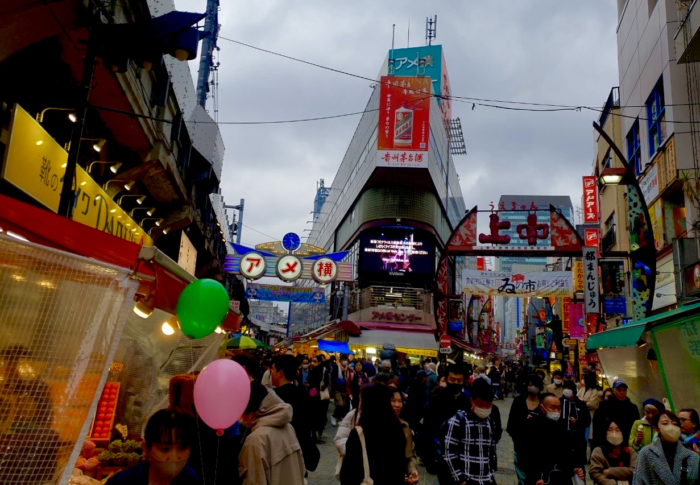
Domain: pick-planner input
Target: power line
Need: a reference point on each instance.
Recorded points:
(260, 232)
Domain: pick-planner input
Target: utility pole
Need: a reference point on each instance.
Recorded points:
(238, 225)
(206, 62)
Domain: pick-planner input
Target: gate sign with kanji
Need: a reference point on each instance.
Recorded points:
(253, 265)
(325, 270)
(289, 268)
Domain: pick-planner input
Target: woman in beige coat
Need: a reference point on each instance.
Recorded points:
(613, 462)
(589, 394)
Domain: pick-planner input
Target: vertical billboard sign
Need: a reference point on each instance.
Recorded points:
(592, 237)
(404, 122)
(590, 200)
(590, 275)
(577, 321)
(480, 263)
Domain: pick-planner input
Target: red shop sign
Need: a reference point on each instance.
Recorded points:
(590, 200)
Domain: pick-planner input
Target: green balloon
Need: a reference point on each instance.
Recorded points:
(202, 307)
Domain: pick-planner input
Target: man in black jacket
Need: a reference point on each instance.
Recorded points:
(283, 374)
(577, 418)
(620, 409)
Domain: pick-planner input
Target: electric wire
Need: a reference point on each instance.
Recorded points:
(260, 232)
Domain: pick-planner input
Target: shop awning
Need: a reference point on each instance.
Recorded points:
(626, 336)
(332, 346)
(401, 340)
(629, 334)
(162, 279)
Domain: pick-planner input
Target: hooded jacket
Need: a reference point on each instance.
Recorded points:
(271, 454)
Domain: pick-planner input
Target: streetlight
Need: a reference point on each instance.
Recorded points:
(612, 176)
(114, 168)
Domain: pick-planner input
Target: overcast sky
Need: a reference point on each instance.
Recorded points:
(547, 51)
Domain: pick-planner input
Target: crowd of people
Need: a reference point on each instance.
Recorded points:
(389, 417)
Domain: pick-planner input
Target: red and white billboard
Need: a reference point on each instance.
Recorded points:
(590, 200)
(592, 237)
(404, 121)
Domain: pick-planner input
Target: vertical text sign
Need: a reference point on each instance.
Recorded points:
(590, 280)
(590, 200)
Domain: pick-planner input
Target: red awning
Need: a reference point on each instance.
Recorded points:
(350, 327)
(162, 279)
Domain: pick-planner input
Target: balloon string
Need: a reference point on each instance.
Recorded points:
(199, 432)
(216, 464)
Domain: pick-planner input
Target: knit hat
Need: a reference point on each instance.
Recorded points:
(654, 402)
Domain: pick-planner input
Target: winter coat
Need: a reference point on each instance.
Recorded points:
(411, 457)
(553, 389)
(592, 399)
(432, 382)
(624, 413)
(599, 463)
(344, 427)
(271, 454)
(548, 454)
(387, 461)
(652, 466)
(576, 409)
(518, 419)
(649, 434)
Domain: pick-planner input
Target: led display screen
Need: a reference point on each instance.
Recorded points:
(394, 253)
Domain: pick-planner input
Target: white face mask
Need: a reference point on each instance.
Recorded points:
(568, 393)
(482, 413)
(533, 390)
(554, 416)
(557, 382)
(670, 433)
(614, 438)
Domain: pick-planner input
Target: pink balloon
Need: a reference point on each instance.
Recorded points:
(221, 393)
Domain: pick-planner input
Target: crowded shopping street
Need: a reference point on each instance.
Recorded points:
(280, 242)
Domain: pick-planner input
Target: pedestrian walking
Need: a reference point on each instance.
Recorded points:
(556, 386)
(468, 440)
(577, 419)
(432, 382)
(319, 392)
(359, 378)
(589, 394)
(642, 433)
(417, 398)
(266, 379)
(666, 461)
(619, 408)
(690, 429)
(442, 406)
(340, 374)
(376, 446)
(271, 453)
(304, 371)
(524, 408)
(548, 458)
(612, 462)
(412, 459)
(495, 376)
(284, 373)
(510, 381)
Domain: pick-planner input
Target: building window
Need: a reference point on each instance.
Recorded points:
(656, 118)
(610, 236)
(607, 160)
(633, 150)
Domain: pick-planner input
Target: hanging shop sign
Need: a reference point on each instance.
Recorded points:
(590, 274)
(577, 327)
(480, 264)
(498, 283)
(650, 185)
(289, 294)
(288, 260)
(692, 279)
(578, 275)
(566, 315)
(592, 237)
(404, 121)
(590, 200)
(35, 164)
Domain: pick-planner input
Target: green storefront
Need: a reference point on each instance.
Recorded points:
(657, 356)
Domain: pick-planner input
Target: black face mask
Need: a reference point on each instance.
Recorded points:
(454, 389)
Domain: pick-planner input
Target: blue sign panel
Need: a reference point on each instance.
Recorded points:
(289, 294)
(615, 306)
(456, 326)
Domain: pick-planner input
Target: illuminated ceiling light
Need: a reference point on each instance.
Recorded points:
(72, 117)
(218, 224)
(83, 182)
(113, 211)
(39, 142)
(129, 185)
(167, 329)
(98, 146)
(140, 200)
(64, 165)
(142, 310)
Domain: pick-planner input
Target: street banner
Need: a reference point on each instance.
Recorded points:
(590, 200)
(289, 294)
(578, 275)
(404, 121)
(566, 315)
(590, 274)
(499, 283)
(577, 327)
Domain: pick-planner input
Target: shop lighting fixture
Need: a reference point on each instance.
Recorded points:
(167, 329)
(149, 210)
(142, 310)
(114, 166)
(39, 142)
(371, 350)
(71, 115)
(98, 146)
(612, 176)
(394, 295)
(19, 278)
(158, 220)
(140, 198)
(47, 284)
(129, 185)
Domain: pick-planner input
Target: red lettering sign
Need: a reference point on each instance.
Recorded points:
(480, 264)
(590, 200)
(592, 237)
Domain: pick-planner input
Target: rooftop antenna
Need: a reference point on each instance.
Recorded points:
(430, 30)
(408, 41)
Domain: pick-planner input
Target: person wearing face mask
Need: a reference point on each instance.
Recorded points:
(612, 463)
(359, 378)
(575, 415)
(442, 405)
(666, 461)
(547, 458)
(690, 429)
(525, 407)
(556, 386)
(271, 454)
(411, 458)
(642, 434)
(168, 438)
(304, 370)
(619, 408)
(340, 374)
(468, 443)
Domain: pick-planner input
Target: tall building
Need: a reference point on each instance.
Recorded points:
(394, 218)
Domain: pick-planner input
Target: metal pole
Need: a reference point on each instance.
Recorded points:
(240, 222)
(65, 205)
(208, 44)
(345, 302)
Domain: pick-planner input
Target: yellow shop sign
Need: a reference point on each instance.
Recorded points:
(35, 163)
